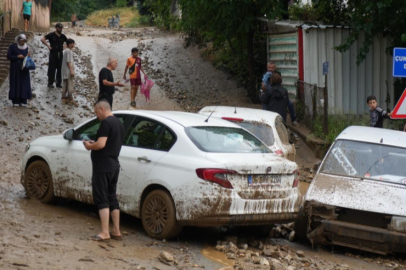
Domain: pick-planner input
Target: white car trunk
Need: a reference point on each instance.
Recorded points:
(260, 176)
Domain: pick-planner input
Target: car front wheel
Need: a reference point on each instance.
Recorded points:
(158, 216)
(38, 182)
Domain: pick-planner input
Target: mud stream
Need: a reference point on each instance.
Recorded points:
(39, 236)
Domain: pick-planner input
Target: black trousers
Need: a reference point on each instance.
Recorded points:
(55, 66)
(107, 97)
(104, 190)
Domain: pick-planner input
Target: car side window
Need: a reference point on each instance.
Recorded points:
(144, 134)
(149, 134)
(89, 130)
(282, 130)
(166, 141)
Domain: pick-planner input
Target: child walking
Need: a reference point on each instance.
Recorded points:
(134, 67)
(68, 72)
(376, 113)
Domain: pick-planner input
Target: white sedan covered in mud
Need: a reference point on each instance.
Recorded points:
(177, 169)
(268, 126)
(357, 198)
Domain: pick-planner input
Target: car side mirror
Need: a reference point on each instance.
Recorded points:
(68, 135)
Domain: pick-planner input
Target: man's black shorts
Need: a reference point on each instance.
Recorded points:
(107, 97)
(27, 17)
(104, 189)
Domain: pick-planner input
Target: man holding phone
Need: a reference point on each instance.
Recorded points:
(106, 168)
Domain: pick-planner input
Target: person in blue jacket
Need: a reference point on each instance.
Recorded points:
(20, 82)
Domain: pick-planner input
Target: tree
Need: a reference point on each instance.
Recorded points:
(232, 24)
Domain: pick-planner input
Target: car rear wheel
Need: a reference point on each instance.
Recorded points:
(38, 182)
(158, 216)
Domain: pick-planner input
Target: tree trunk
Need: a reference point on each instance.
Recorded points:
(250, 62)
(50, 6)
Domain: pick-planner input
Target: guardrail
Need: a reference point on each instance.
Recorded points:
(3, 18)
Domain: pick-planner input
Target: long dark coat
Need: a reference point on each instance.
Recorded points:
(20, 82)
(276, 99)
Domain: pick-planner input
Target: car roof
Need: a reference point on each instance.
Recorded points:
(374, 135)
(182, 118)
(244, 113)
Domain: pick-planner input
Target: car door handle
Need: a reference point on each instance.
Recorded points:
(144, 159)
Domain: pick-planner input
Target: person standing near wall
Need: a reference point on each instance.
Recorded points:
(56, 40)
(26, 12)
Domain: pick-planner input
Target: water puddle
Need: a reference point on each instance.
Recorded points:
(217, 256)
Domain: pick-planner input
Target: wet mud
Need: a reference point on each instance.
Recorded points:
(39, 236)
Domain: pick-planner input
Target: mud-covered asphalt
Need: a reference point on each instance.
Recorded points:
(39, 236)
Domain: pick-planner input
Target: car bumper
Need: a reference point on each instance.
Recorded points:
(213, 206)
(241, 220)
(371, 239)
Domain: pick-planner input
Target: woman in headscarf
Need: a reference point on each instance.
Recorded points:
(20, 84)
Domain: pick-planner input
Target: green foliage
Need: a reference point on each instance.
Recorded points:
(121, 3)
(386, 17)
(336, 124)
(333, 12)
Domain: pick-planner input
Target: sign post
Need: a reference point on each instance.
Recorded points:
(325, 73)
(399, 70)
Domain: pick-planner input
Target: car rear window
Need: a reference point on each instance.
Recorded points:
(367, 160)
(262, 131)
(225, 140)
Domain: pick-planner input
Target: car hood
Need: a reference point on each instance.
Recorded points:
(354, 193)
(44, 140)
(254, 163)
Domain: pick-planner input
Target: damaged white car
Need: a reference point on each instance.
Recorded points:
(177, 169)
(357, 198)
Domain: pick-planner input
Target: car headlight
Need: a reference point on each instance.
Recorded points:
(27, 147)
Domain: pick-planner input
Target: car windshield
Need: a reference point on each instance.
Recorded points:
(367, 160)
(262, 131)
(225, 140)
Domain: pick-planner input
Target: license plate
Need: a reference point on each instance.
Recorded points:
(264, 180)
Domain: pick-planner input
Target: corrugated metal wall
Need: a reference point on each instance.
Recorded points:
(348, 84)
(283, 51)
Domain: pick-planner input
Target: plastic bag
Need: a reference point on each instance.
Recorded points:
(28, 64)
(146, 88)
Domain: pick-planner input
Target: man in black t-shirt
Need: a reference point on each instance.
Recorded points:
(106, 81)
(56, 40)
(106, 168)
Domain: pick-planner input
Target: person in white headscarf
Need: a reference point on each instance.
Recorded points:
(20, 83)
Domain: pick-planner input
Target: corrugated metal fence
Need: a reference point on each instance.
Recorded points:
(348, 84)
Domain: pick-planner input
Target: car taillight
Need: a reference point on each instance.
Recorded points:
(279, 152)
(232, 119)
(296, 181)
(218, 176)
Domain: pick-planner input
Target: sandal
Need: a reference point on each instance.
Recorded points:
(133, 104)
(98, 238)
(116, 237)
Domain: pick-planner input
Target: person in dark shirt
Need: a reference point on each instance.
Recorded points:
(276, 96)
(106, 81)
(56, 40)
(106, 168)
(376, 113)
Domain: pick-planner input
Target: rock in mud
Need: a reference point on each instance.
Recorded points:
(165, 258)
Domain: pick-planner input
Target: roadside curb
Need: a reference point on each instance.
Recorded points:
(319, 146)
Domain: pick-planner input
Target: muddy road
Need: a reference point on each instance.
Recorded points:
(39, 236)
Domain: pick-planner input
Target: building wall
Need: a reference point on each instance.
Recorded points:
(348, 84)
(40, 9)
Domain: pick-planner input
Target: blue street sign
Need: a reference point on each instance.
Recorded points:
(325, 68)
(399, 62)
